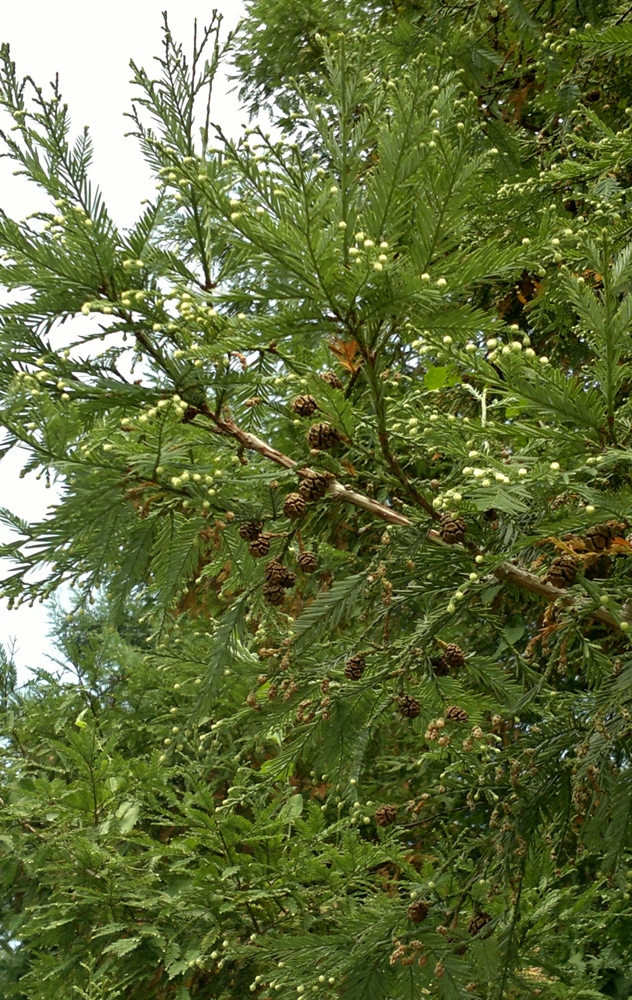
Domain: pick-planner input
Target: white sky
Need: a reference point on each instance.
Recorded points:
(90, 45)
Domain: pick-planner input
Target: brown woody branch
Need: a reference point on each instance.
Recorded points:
(225, 425)
(509, 573)
(506, 572)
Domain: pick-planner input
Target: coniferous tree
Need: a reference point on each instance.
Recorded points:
(343, 449)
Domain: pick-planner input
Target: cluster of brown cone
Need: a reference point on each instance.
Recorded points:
(591, 552)
(278, 577)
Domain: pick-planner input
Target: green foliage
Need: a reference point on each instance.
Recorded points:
(371, 741)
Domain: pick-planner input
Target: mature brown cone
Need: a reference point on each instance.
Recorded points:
(562, 571)
(355, 667)
(315, 484)
(294, 505)
(260, 546)
(453, 528)
(273, 593)
(278, 574)
(597, 566)
(331, 379)
(308, 562)
(441, 667)
(323, 436)
(453, 658)
(304, 406)
(409, 706)
(477, 923)
(275, 572)
(418, 911)
(599, 536)
(385, 815)
(250, 530)
(455, 714)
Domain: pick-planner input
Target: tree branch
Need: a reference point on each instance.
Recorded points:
(225, 425)
(506, 572)
(509, 573)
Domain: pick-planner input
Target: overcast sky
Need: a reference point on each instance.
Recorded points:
(90, 46)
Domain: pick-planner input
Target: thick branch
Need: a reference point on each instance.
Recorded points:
(506, 572)
(521, 578)
(336, 489)
(252, 442)
(227, 426)
(529, 581)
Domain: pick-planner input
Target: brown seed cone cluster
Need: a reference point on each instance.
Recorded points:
(409, 707)
(331, 379)
(455, 714)
(275, 572)
(315, 484)
(562, 571)
(250, 530)
(600, 536)
(418, 911)
(452, 658)
(385, 815)
(273, 593)
(597, 566)
(323, 436)
(453, 528)
(304, 406)
(355, 667)
(260, 546)
(294, 505)
(307, 562)
(477, 923)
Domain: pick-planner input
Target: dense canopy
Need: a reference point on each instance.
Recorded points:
(342, 437)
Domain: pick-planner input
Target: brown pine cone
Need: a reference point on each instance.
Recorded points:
(323, 436)
(599, 536)
(418, 911)
(453, 658)
(331, 379)
(275, 572)
(385, 815)
(308, 562)
(260, 546)
(409, 706)
(250, 530)
(273, 593)
(441, 667)
(315, 484)
(304, 406)
(477, 923)
(355, 667)
(294, 505)
(455, 714)
(562, 571)
(597, 566)
(453, 528)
